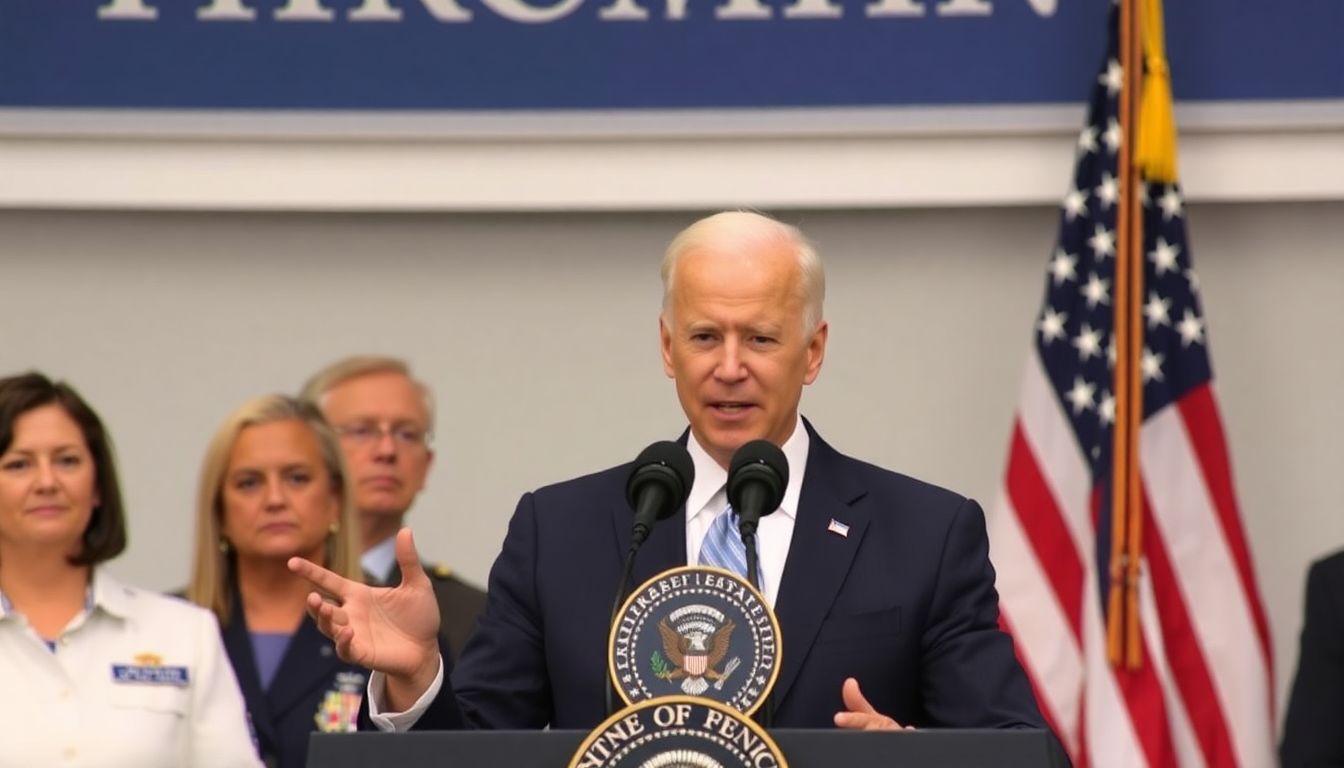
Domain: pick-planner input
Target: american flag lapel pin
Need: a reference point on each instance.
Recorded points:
(838, 528)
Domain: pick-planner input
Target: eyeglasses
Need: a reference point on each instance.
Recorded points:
(367, 433)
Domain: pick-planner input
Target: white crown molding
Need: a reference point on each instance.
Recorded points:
(561, 161)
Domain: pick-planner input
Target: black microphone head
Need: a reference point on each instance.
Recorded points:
(759, 463)
(667, 464)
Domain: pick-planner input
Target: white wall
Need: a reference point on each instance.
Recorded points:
(539, 334)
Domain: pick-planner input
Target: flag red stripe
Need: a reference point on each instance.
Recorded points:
(1185, 657)
(1142, 691)
(1043, 524)
(1199, 411)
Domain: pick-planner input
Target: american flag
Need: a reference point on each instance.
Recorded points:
(1202, 695)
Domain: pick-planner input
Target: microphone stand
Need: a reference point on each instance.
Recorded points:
(753, 574)
(622, 589)
(767, 710)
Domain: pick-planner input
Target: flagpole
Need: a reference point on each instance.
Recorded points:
(1133, 179)
(1124, 641)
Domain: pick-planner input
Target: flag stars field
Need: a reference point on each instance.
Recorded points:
(1081, 395)
(1191, 329)
(1108, 191)
(1157, 310)
(1106, 409)
(1087, 140)
(1152, 365)
(1087, 342)
(1097, 291)
(1102, 242)
(1063, 267)
(1164, 256)
(1052, 325)
(1113, 78)
(1171, 203)
(1075, 204)
(1111, 138)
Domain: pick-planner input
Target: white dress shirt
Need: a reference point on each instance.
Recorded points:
(709, 497)
(137, 679)
(380, 560)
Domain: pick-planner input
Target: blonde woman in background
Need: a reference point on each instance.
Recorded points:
(273, 485)
(96, 673)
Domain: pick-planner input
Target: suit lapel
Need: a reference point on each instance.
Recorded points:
(309, 661)
(238, 645)
(819, 559)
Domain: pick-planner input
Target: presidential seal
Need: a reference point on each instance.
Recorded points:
(695, 631)
(678, 732)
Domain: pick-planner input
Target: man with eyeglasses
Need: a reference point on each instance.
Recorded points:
(384, 418)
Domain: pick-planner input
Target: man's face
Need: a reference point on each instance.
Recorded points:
(733, 340)
(382, 420)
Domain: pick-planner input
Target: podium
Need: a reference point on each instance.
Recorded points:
(802, 748)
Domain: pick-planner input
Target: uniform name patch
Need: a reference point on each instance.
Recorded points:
(150, 674)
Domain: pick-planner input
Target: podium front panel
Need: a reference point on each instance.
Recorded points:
(802, 748)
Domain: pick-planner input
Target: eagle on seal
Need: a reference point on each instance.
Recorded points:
(695, 655)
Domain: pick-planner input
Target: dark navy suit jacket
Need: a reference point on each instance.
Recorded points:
(1313, 731)
(905, 603)
(284, 715)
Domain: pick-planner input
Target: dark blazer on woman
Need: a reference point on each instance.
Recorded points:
(312, 686)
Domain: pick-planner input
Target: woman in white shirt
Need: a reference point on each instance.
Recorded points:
(96, 673)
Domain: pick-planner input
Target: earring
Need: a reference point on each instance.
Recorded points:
(223, 546)
(334, 528)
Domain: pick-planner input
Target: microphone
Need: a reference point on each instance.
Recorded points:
(757, 477)
(656, 489)
(658, 485)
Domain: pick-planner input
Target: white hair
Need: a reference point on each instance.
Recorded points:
(320, 383)
(739, 231)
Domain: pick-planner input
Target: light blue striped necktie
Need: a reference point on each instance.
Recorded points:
(722, 546)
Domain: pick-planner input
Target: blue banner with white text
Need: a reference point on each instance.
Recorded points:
(460, 55)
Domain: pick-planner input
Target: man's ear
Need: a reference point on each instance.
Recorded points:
(816, 351)
(665, 341)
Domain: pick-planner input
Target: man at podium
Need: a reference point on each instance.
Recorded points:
(881, 583)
